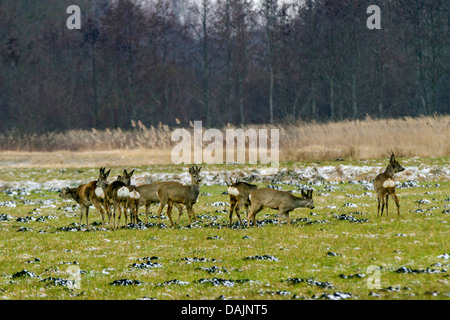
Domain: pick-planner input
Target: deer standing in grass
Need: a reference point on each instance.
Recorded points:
(148, 195)
(239, 192)
(279, 200)
(92, 193)
(174, 192)
(132, 203)
(384, 186)
(116, 194)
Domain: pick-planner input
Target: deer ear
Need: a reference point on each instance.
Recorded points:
(107, 173)
(131, 173)
(392, 158)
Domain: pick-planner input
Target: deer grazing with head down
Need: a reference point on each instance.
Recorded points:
(384, 186)
(148, 196)
(92, 193)
(174, 192)
(239, 192)
(282, 201)
(116, 194)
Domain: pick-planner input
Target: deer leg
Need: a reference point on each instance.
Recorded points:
(180, 210)
(125, 211)
(119, 212)
(190, 212)
(147, 208)
(113, 216)
(193, 213)
(252, 215)
(288, 216)
(108, 212)
(378, 210)
(169, 212)
(246, 212)
(382, 206)
(387, 207)
(232, 208)
(136, 211)
(238, 211)
(133, 213)
(130, 208)
(82, 209)
(397, 203)
(87, 216)
(161, 207)
(281, 213)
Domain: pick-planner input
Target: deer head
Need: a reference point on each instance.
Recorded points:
(308, 196)
(102, 178)
(394, 165)
(195, 175)
(65, 193)
(126, 177)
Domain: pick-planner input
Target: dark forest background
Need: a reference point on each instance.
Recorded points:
(227, 61)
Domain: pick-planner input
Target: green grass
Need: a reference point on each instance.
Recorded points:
(415, 240)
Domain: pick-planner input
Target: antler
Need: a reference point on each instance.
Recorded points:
(195, 169)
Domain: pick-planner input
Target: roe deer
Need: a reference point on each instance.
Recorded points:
(283, 201)
(239, 192)
(148, 195)
(88, 194)
(117, 194)
(132, 203)
(175, 192)
(384, 186)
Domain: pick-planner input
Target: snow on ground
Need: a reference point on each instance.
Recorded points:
(262, 175)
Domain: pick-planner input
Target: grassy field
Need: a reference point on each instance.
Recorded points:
(324, 254)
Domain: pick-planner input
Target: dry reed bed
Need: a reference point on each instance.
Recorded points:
(360, 139)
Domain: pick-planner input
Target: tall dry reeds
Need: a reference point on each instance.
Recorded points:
(360, 139)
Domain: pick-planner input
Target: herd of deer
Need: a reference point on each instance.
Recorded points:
(121, 197)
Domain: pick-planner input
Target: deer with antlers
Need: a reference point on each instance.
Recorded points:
(172, 192)
(239, 192)
(384, 185)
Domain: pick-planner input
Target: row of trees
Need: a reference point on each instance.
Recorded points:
(222, 61)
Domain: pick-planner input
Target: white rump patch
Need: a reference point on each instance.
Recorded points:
(134, 195)
(99, 192)
(389, 183)
(123, 192)
(233, 191)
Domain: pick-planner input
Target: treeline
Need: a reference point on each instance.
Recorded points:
(223, 61)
